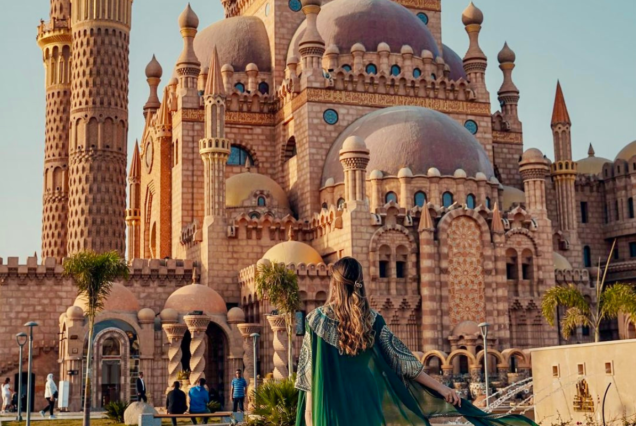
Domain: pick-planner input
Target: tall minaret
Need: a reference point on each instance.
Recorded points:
(475, 60)
(54, 38)
(508, 94)
(99, 125)
(133, 212)
(561, 125)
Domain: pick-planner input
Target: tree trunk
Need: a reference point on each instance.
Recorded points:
(290, 346)
(597, 335)
(87, 383)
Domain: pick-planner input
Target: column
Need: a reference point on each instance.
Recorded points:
(175, 333)
(197, 325)
(277, 323)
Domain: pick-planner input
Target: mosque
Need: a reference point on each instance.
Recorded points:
(299, 132)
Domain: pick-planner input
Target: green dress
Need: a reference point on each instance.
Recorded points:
(373, 388)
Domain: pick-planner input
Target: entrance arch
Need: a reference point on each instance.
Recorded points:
(217, 368)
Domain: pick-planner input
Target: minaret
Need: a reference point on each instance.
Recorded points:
(508, 92)
(534, 169)
(311, 47)
(54, 38)
(475, 60)
(214, 148)
(133, 212)
(561, 125)
(99, 125)
(153, 77)
(354, 157)
(188, 65)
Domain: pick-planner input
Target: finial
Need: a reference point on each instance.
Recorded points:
(188, 19)
(590, 151)
(560, 112)
(194, 274)
(472, 15)
(426, 222)
(153, 69)
(248, 163)
(290, 234)
(497, 225)
(506, 55)
(135, 163)
(214, 84)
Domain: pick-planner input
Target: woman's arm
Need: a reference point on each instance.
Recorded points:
(449, 394)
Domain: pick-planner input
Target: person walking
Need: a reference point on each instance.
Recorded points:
(141, 388)
(199, 399)
(239, 384)
(353, 371)
(50, 394)
(6, 395)
(176, 401)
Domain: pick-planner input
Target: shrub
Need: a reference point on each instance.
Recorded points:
(275, 403)
(214, 406)
(115, 410)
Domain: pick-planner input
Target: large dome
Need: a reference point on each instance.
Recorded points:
(293, 252)
(414, 137)
(239, 187)
(239, 41)
(120, 299)
(196, 297)
(627, 152)
(455, 62)
(370, 22)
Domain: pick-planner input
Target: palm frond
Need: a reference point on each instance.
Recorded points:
(280, 285)
(566, 296)
(572, 319)
(618, 298)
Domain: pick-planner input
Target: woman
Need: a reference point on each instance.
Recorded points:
(6, 395)
(50, 394)
(354, 372)
(176, 401)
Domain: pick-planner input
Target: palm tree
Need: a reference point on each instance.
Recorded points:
(94, 275)
(280, 286)
(610, 301)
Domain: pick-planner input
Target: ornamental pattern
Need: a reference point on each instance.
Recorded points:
(398, 355)
(465, 267)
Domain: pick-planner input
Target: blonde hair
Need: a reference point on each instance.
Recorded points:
(351, 308)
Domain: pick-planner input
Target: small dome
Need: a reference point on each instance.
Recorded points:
(329, 182)
(120, 299)
(511, 196)
(235, 315)
(532, 154)
(591, 165)
(472, 15)
(74, 312)
(406, 50)
(627, 152)
(480, 176)
(439, 60)
(332, 50)
(358, 47)
(239, 187)
(227, 68)
(293, 252)
(376, 174)
(506, 55)
(466, 329)
(354, 143)
(433, 172)
(383, 47)
(146, 315)
(494, 180)
(427, 54)
(196, 297)
(455, 62)
(153, 69)
(560, 262)
(251, 67)
(188, 19)
(459, 173)
(169, 315)
(405, 172)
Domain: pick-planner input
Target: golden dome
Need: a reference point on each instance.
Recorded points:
(560, 262)
(120, 299)
(512, 196)
(196, 297)
(293, 252)
(627, 152)
(591, 165)
(239, 187)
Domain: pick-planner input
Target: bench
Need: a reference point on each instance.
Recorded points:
(155, 419)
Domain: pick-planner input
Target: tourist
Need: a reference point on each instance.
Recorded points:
(353, 371)
(238, 392)
(141, 388)
(176, 401)
(50, 394)
(199, 399)
(6, 395)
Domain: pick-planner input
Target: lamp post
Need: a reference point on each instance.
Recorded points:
(21, 338)
(30, 324)
(255, 337)
(483, 327)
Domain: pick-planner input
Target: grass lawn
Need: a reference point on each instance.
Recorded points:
(96, 422)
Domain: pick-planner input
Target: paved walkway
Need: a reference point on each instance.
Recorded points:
(36, 416)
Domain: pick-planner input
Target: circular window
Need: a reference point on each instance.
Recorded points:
(372, 69)
(395, 70)
(471, 126)
(295, 5)
(267, 9)
(417, 73)
(347, 68)
(423, 17)
(148, 155)
(240, 87)
(330, 116)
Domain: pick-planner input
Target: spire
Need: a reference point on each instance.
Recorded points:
(214, 84)
(153, 76)
(426, 222)
(560, 111)
(590, 151)
(497, 225)
(135, 164)
(290, 234)
(188, 62)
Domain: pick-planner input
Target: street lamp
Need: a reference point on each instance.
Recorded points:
(21, 338)
(483, 327)
(30, 324)
(255, 337)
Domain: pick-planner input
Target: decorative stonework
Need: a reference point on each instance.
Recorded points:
(248, 351)
(175, 333)
(197, 325)
(465, 267)
(277, 323)
(432, 5)
(507, 137)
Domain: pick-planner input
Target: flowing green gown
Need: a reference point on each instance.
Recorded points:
(373, 388)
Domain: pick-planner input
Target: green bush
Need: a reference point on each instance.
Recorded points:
(275, 403)
(214, 406)
(115, 410)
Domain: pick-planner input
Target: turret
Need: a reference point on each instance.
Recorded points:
(561, 125)
(534, 169)
(133, 212)
(354, 157)
(153, 76)
(508, 92)
(475, 61)
(188, 65)
(311, 46)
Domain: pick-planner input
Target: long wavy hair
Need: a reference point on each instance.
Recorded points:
(350, 306)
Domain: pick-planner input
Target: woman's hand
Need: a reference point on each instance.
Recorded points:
(451, 396)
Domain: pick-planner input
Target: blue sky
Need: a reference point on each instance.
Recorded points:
(587, 44)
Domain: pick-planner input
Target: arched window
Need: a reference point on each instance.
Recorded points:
(290, 149)
(238, 157)
(420, 199)
(401, 261)
(385, 261)
(417, 73)
(395, 70)
(391, 196)
(346, 67)
(488, 203)
(240, 87)
(324, 206)
(630, 206)
(263, 88)
(470, 201)
(255, 216)
(447, 199)
(587, 257)
(341, 202)
(372, 69)
(261, 201)
(433, 76)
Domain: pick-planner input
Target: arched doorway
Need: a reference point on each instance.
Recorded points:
(216, 367)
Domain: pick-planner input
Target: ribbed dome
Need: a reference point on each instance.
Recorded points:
(511, 196)
(120, 299)
(293, 252)
(455, 62)
(413, 137)
(239, 187)
(196, 297)
(627, 152)
(370, 22)
(560, 262)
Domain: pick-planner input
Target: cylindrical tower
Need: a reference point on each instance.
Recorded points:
(99, 125)
(54, 38)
